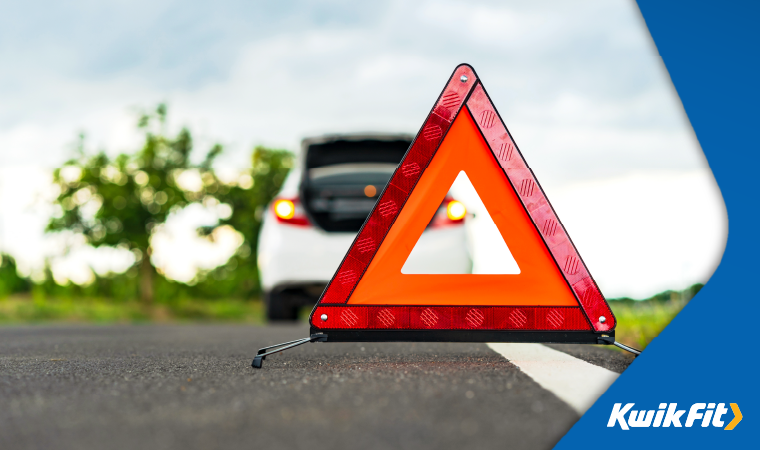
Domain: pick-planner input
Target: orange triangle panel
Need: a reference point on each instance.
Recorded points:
(553, 291)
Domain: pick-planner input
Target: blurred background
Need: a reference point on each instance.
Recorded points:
(141, 142)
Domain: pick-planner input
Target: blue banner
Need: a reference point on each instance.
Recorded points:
(695, 386)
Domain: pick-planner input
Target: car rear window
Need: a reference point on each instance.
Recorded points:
(344, 151)
(344, 178)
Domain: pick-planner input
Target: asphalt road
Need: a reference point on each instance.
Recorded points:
(192, 387)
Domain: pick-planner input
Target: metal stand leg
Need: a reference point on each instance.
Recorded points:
(262, 354)
(627, 348)
(611, 341)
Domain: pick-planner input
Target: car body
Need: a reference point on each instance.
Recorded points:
(312, 222)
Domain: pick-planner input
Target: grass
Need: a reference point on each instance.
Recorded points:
(640, 322)
(25, 309)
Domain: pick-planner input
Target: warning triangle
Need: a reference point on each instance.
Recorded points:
(372, 298)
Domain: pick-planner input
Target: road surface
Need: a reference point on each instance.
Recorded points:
(192, 387)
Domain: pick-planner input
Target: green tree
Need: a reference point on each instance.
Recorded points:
(248, 201)
(10, 281)
(118, 202)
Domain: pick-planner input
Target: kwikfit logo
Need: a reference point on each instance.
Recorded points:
(706, 414)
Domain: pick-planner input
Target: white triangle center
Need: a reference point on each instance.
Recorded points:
(479, 248)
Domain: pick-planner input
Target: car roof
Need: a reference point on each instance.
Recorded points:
(326, 138)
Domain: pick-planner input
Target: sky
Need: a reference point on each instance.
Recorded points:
(579, 84)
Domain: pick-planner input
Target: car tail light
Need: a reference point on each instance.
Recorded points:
(289, 211)
(451, 212)
(455, 210)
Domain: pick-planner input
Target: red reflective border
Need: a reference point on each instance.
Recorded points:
(362, 317)
(540, 210)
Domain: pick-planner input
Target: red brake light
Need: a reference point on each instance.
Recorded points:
(289, 211)
(455, 210)
(451, 212)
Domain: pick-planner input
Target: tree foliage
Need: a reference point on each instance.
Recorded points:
(270, 167)
(10, 281)
(118, 202)
(239, 277)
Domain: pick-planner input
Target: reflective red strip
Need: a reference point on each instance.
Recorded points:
(545, 318)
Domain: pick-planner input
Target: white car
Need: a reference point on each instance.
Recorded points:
(310, 225)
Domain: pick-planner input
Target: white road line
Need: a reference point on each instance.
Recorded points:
(573, 380)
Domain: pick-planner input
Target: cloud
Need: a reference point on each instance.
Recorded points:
(273, 74)
(646, 232)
